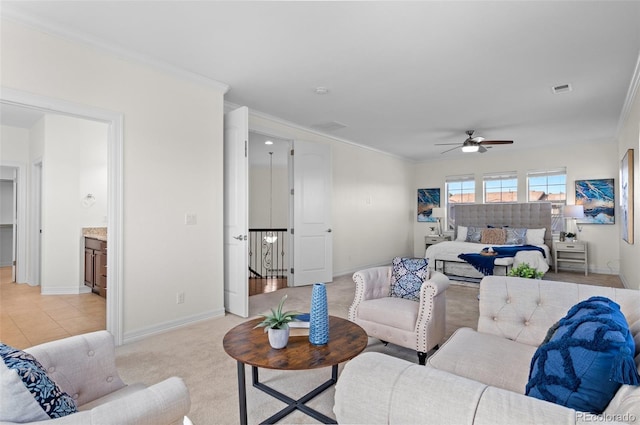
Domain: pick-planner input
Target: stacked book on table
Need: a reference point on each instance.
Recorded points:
(299, 326)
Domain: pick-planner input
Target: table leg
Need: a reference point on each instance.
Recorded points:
(242, 394)
(299, 404)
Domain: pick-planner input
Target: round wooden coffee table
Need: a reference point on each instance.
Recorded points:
(250, 346)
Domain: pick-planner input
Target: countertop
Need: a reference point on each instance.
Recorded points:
(99, 233)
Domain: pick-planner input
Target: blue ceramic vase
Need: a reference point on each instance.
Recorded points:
(319, 320)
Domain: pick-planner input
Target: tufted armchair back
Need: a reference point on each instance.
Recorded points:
(84, 366)
(523, 310)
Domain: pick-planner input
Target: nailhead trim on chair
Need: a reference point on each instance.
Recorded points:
(353, 310)
(421, 340)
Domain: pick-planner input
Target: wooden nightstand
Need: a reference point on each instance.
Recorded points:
(571, 252)
(434, 239)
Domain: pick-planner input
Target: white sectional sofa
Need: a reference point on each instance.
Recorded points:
(479, 377)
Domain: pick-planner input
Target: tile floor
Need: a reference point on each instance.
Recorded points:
(28, 318)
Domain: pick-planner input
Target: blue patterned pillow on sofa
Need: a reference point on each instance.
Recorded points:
(589, 353)
(23, 375)
(407, 277)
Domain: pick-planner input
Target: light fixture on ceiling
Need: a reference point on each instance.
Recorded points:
(470, 147)
(270, 237)
(268, 142)
(321, 90)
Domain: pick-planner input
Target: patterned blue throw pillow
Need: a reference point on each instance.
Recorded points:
(516, 236)
(407, 277)
(589, 353)
(474, 234)
(54, 402)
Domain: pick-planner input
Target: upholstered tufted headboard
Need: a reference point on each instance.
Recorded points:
(532, 216)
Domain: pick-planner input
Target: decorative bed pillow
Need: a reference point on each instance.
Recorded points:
(493, 236)
(407, 277)
(474, 234)
(535, 236)
(461, 236)
(28, 394)
(586, 358)
(517, 236)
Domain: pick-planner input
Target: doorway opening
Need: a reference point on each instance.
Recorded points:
(269, 193)
(112, 131)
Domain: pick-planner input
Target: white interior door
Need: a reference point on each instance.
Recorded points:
(312, 237)
(236, 221)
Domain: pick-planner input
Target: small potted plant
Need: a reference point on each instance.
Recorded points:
(276, 324)
(525, 270)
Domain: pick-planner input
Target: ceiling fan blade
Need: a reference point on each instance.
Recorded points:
(449, 150)
(442, 144)
(496, 142)
(481, 149)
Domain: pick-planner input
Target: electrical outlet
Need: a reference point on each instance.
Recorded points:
(180, 298)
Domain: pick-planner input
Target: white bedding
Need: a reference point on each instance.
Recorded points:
(449, 251)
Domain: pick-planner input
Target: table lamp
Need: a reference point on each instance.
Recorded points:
(438, 213)
(574, 212)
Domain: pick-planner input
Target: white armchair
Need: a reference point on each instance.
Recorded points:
(418, 325)
(84, 367)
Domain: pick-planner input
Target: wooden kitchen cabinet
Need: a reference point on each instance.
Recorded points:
(95, 265)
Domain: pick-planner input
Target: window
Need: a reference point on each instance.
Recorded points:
(501, 187)
(549, 186)
(460, 190)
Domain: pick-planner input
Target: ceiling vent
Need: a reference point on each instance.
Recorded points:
(562, 88)
(329, 126)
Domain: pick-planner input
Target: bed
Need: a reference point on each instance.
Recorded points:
(535, 217)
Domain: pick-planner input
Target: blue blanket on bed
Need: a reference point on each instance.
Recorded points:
(485, 263)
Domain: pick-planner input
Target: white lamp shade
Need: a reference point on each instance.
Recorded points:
(573, 211)
(437, 212)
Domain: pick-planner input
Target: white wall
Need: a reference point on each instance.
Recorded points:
(259, 178)
(74, 164)
(14, 145)
(630, 139)
(371, 203)
(172, 165)
(14, 153)
(582, 161)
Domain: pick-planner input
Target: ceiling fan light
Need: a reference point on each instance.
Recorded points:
(470, 148)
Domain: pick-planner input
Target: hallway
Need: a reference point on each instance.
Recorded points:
(28, 318)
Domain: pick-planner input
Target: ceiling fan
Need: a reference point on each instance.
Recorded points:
(475, 144)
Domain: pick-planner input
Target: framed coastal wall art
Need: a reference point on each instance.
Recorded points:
(428, 199)
(597, 197)
(626, 196)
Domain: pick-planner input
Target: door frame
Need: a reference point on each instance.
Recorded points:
(114, 187)
(264, 131)
(20, 227)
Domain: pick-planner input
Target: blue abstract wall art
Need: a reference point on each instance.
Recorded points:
(598, 200)
(428, 199)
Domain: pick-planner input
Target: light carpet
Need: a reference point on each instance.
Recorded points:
(195, 354)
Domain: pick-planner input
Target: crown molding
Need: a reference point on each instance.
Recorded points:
(11, 14)
(631, 94)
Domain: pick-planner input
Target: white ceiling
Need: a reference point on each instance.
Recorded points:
(401, 76)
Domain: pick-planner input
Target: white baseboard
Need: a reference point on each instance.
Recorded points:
(66, 290)
(170, 325)
(352, 271)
